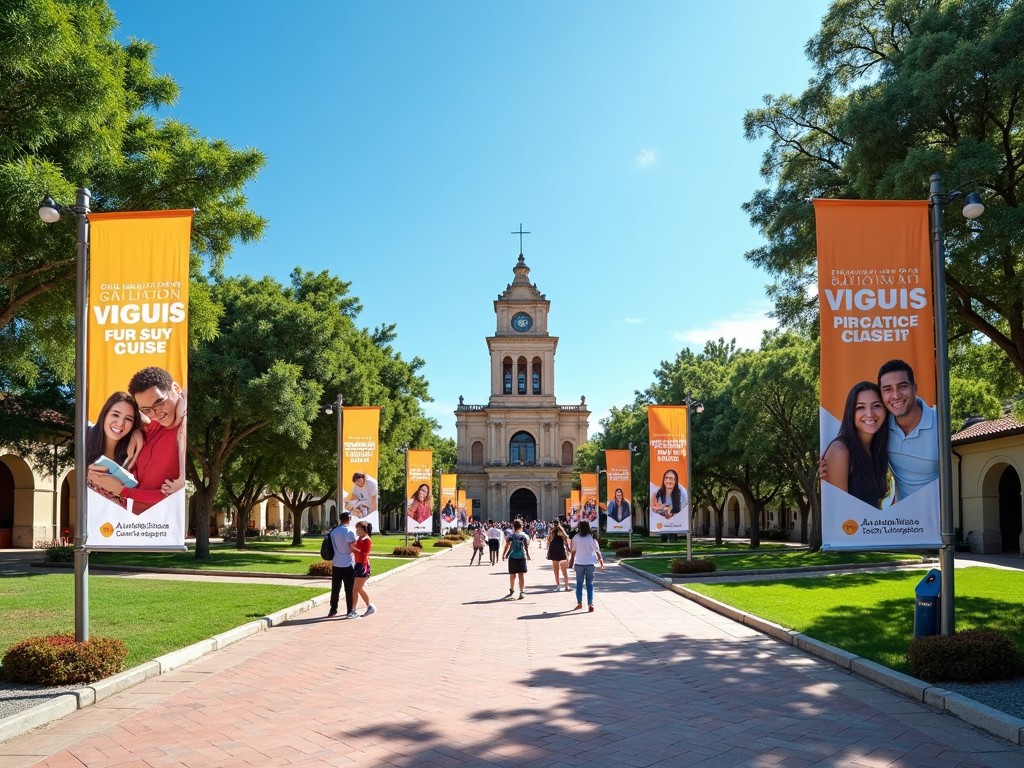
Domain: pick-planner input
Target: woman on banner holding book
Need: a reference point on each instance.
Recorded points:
(114, 436)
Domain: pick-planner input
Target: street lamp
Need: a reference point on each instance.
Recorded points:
(49, 212)
(337, 405)
(690, 403)
(633, 451)
(973, 208)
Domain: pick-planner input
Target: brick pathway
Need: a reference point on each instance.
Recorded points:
(449, 674)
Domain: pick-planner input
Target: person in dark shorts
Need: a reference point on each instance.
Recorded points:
(517, 551)
(558, 547)
(494, 537)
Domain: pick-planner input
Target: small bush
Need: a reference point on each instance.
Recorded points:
(628, 551)
(406, 551)
(59, 554)
(321, 568)
(444, 544)
(456, 537)
(972, 656)
(697, 565)
(620, 544)
(418, 544)
(60, 660)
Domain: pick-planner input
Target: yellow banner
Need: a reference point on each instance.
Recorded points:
(462, 511)
(573, 515)
(137, 367)
(670, 496)
(419, 504)
(620, 491)
(876, 306)
(360, 436)
(588, 497)
(448, 497)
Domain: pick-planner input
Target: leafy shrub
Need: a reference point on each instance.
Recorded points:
(775, 534)
(971, 656)
(406, 551)
(321, 568)
(620, 544)
(696, 565)
(59, 554)
(456, 537)
(628, 551)
(418, 544)
(60, 660)
(444, 543)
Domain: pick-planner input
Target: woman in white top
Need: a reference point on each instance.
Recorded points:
(584, 555)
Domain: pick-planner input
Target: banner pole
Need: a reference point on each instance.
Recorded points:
(81, 418)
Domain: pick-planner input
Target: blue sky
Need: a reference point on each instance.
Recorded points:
(406, 141)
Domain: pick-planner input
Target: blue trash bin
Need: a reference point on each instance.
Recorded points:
(927, 604)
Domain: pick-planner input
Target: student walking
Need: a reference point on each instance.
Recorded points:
(479, 541)
(517, 550)
(493, 541)
(558, 546)
(342, 571)
(361, 553)
(585, 554)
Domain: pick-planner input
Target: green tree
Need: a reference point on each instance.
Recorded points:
(77, 109)
(904, 88)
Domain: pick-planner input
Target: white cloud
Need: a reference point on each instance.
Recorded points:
(746, 328)
(634, 320)
(645, 158)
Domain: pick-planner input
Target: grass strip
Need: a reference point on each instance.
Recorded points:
(754, 560)
(151, 616)
(225, 559)
(872, 614)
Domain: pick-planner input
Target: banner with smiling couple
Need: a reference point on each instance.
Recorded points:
(137, 369)
(419, 507)
(670, 497)
(360, 438)
(620, 491)
(881, 489)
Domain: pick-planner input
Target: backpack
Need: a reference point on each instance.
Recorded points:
(517, 546)
(327, 547)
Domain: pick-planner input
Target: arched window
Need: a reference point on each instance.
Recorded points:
(521, 377)
(536, 376)
(567, 459)
(477, 454)
(522, 449)
(506, 375)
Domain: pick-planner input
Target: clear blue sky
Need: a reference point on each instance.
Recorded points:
(407, 140)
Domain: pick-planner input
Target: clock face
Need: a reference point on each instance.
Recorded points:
(521, 322)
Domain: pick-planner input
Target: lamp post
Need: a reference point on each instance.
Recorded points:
(337, 404)
(973, 208)
(49, 212)
(633, 451)
(404, 450)
(690, 403)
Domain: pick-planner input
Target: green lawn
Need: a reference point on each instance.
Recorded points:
(872, 614)
(382, 545)
(700, 547)
(152, 617)
(756, 560)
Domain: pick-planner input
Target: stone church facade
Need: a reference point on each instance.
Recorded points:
(516, 453)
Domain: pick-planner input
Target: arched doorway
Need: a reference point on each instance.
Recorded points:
(6, 506)
(523, 503)
(1010, 516)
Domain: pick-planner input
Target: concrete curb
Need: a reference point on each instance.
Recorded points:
(66, 702)
(982, 717)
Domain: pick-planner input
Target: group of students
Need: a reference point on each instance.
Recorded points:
(582, 553)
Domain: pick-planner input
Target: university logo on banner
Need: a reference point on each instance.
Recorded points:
(619, 507)
(670, 495)
(419, 504)
(137, 368)
(874, 289)
(588, 498)
(360, 437)
(449, 511)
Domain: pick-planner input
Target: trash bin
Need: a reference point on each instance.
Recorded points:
(926, 606)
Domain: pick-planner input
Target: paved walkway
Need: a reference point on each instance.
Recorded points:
(448, 673)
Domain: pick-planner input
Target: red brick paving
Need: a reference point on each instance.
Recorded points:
(449, 674)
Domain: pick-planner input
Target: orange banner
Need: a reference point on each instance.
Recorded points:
(419, 503)
(670, 497)
(360, 436)
(588, 497)
(876, 304)
(137, 366)
(619, 505)
(448, 496)
(462, 511)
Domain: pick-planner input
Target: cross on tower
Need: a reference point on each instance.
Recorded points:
(520, 233)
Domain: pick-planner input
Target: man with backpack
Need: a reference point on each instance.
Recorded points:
(343, 566)
(517, 551)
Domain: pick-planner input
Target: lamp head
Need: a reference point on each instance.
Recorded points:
(329, 410)
(699, 408)
(973, 207)
(49, 211)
